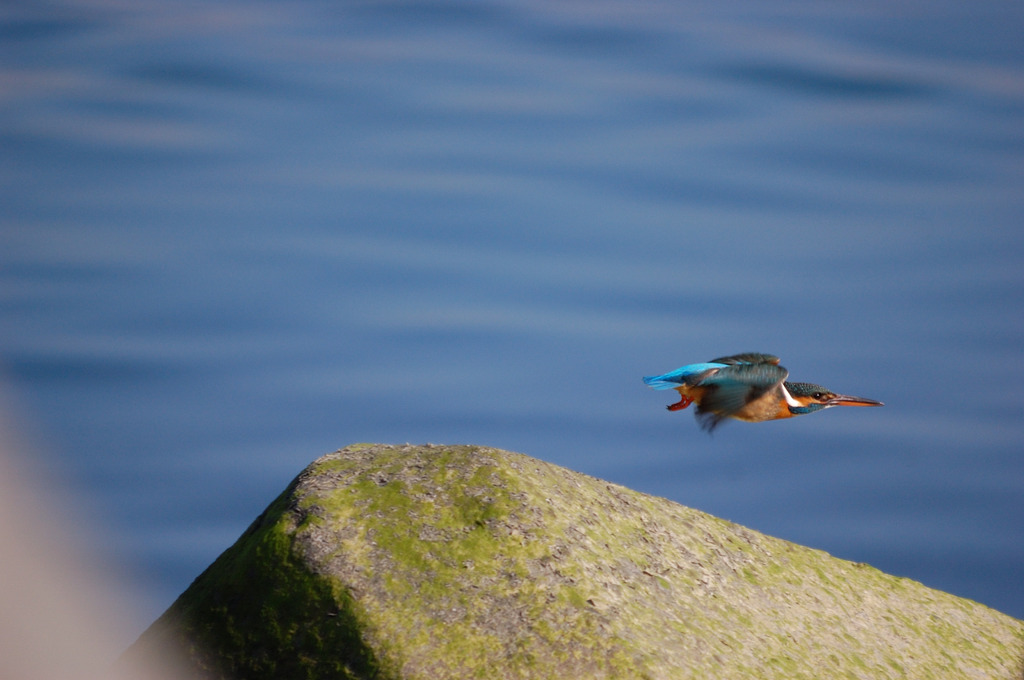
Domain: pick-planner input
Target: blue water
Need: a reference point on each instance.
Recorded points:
(238, 235)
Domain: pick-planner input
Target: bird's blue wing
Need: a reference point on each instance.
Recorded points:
(687, 375)
(747, 358)
(732, 387)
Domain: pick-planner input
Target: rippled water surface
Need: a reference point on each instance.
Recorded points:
(238, 235)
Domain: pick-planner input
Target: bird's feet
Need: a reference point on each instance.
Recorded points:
(680, 405)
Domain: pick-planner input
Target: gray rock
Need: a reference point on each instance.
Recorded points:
(433, 562)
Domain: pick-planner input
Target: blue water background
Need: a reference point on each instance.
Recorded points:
(239, 235)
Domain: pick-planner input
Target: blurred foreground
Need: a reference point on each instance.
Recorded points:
(64, 608)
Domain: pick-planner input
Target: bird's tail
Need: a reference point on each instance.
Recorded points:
(687, 375)
(662, 382)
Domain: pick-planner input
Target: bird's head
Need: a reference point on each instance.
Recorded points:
(811, 398)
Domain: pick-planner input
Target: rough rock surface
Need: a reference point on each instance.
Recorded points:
(434, 562)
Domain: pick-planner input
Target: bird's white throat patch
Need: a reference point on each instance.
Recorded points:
(789, 397)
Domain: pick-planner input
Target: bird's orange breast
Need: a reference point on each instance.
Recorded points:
(766, 407)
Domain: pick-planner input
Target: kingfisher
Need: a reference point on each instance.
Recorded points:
(750, 387)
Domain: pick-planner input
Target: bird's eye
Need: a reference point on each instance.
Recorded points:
(818, 395)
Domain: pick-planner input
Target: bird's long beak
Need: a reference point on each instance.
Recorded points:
(846, 400)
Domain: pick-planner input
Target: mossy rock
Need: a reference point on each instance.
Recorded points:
(434, 562)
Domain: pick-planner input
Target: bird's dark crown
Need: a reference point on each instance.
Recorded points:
(809, 391)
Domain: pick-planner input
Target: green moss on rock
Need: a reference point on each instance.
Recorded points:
(468, 562)
(259, 612)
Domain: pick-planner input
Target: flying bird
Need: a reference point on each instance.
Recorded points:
(750, 387)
